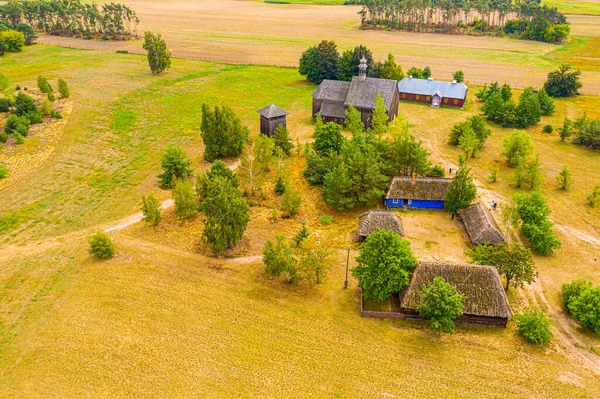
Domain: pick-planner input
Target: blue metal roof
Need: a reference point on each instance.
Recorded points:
(430, 87)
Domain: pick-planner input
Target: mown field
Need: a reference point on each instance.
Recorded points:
(163, 319)
(276, 34)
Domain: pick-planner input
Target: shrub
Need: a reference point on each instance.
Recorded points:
(594, 196)
(278, 258)
(21, 129)
(3, 137)
(291, 199)
(175, 164)
(280, 186)
(302, 234)
(13, 121)
(63, 89)
(19, 139)
(585, 308)
(101, 245)
(548, 129)
(24, 104)
(43, 84)
(46, 108)
(186, 205)
(56, 115)
(13, 40)
(573, 290)
(151, 209)
(50, 95)
(563, 82)
(34, 117)
(325, 220)
(564, 178)
(3, 171)
(4, 105)
(534, 327)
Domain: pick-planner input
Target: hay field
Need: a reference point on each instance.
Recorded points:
(162, 319)
(249, 32)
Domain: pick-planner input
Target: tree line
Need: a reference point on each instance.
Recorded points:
(526, 19)
(72, 18)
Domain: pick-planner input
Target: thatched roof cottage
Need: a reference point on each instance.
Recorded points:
(481, 225)
(485, 299)
(417, 192)
(370, 221)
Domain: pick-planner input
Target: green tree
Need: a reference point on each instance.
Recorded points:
(329, 139)
(302, 234)
(226, 215)
(63, 89)
(407, 155)
(338, 187)
(151, 209)
(43, 84)
(216, 170)
(263, 150)
(564, 178)
(159, 56)
(546, 103)
(28, 32)
(512, 260)
(186, 205)
(314, 260)
(426, 72)
(477, 124)
(541, 237)
(534, 327)
(101, 245)
(350, 59)
(441, 304)
(252, 172)
(13, 41)
(468, 142)
(518, 146)
(585, 307)
(222, 132)
(563, 82)
(529, 111)
(391, 70)
(385, 265)
(565, 131)
(279, 258)
(24, 105)
(461, 191)
(353, 122)
(283, 140)
(572, 290)
(533, 174)
(291, 200)
(320, 62)
(175, 164)
(459, 76)
(379, 119)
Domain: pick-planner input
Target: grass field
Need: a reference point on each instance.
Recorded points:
(164, 319)
(276, 34)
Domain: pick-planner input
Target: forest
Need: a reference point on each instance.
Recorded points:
(524, 19)
(72, 18)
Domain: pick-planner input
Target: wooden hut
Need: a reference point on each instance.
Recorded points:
(480, 225)
(371, 221)
(417, 192)
(436, 93)
(485, 299)
(271, 116)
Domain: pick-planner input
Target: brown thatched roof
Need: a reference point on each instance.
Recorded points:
(481, 286)
(370, 221)
(481, 225)
(423, 188)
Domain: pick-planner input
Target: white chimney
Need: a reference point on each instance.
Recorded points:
(430, 79)
(410, 76)
(454, 82)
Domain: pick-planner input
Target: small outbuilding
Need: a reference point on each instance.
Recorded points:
(417, 192)
(480, 225)
(271, 116)
(485, 298)
(371, 221)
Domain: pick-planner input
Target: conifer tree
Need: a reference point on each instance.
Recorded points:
(353, 122)
(379, 120)
(461, 191)
(159, 56)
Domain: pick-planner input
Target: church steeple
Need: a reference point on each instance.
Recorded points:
(362, 69)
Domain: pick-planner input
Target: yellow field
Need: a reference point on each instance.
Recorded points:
(166, 319)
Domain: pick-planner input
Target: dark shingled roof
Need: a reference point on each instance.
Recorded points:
(272, 111)
(480, 225)
(332, 90)
(362, 93)
(333, 109)
(430, 87)
(370, 221)
(424, 188)
(481, 286)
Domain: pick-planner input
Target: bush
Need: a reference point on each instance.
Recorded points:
(101, 245)
(63, 89)
(151, 209)
(279, 259)
(573, 290)
(548, 129)
(46, 108)
(280, 186)
(175, 164)
(43, 84)
(21, 129)
(534, 327)
(50, 96)
(34, 117)
(19, 139)
(3, 171)
(325, 220)
(4, 105)
(13, 121)
(302, 234)
(24, 104)
(563, 82)
(13, 40)
(3, 137)
(291, 199)
(585, 308)
(594, 196)
(186, 205)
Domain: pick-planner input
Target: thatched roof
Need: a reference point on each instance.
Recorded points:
(272, 111)
(332, 90)
(370, 221)
(362, 93)
(481, 286)
(423, 188)
(480, 225)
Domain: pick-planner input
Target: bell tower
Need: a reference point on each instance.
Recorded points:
(362, 69)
